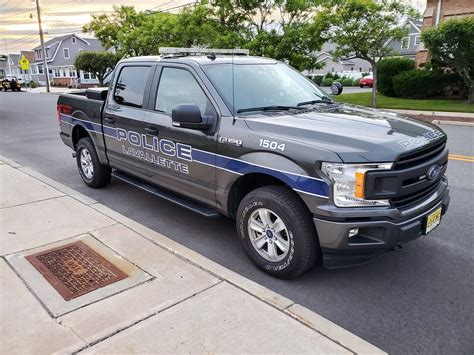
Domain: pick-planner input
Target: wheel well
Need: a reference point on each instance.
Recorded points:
(78, 132)
(244, 185)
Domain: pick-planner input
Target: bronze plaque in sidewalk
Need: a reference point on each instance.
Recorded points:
(75, 269)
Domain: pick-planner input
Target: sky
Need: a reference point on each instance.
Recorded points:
(19, 26)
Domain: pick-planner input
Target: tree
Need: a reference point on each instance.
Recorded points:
(98, 63)
(361, 29)
(452, 45)
(281, 29)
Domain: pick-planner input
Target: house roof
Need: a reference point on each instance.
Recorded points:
(14, 58)
(30, 55)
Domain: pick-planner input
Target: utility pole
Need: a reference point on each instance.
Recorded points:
(43, 50)
(8, 57)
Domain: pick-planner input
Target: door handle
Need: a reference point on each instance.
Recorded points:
(109, 120)
(152, 131)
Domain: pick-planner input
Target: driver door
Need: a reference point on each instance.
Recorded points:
(186, 160)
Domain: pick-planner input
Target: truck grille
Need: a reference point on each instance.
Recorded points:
(419, 156)
(408, 181)
(405, 200)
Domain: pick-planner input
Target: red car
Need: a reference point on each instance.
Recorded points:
(366, 81)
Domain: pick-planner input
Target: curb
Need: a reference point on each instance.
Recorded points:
(453, 123)
(288, 307)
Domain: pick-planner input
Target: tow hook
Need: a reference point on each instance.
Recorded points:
(398, 248)
(74, 155)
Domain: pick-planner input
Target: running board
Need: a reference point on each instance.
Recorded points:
(167, 195)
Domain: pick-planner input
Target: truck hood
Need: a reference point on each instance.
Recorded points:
(356, 134)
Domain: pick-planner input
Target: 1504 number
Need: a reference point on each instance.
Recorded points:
(265, 143)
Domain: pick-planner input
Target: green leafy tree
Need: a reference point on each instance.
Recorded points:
(452, 45)
(98, 63)
(361, 28)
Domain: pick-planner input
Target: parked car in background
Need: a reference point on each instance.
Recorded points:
(367, 81)
(11, 82)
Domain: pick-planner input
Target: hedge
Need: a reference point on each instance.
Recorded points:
(328, 81)
(347, 82)
(387, 69)
(422, 83)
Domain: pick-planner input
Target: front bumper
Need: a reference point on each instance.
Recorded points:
(384, 230)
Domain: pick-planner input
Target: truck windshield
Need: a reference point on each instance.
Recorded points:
(263, 87)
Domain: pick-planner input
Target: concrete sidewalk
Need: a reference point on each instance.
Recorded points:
(173, 300)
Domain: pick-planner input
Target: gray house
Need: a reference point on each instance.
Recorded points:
(60, 55)
(408, 46)
(350, 67)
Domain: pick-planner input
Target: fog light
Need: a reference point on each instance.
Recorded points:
(353, 232)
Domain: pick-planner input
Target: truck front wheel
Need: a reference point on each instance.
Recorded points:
(277, 231)
(93, 173)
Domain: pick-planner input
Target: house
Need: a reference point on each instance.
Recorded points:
(438, 11)
(408, 46)
(60, 55)
(349, 67)
(14, 65)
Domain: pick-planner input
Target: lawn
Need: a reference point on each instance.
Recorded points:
(363, 99)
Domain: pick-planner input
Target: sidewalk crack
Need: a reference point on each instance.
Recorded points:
(60, 322)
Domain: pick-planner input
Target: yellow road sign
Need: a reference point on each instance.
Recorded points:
(24, 63)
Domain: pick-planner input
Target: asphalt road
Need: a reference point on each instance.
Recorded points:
(420, 300)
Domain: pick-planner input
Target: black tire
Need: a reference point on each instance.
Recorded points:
(100, 173)
(304, 248)
(361, 86)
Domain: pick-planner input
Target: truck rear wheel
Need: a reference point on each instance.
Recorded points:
(93, 173)
(277, 231)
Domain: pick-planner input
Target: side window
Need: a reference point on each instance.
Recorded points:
(178, 86)
(130, 86)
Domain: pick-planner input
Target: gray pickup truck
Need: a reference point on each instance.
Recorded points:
(308, 180)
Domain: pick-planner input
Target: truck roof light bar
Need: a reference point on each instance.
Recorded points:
(174, 51)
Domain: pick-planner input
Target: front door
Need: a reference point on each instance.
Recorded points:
(184, 159)
(123, 119)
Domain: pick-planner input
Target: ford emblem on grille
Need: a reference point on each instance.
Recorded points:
(433, 172)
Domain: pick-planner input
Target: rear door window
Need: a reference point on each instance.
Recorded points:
(130, 87)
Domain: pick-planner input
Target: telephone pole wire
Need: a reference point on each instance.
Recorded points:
(43, 50)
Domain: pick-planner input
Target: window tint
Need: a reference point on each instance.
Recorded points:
(130, 86)
(178, 86)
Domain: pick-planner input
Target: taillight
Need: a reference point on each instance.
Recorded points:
(59, 113)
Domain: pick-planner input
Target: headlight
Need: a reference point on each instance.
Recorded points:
(349, 183)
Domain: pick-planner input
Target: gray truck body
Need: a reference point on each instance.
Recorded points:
(218, 166)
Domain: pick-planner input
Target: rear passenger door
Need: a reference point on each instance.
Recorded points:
(185, 161)
(123, 117)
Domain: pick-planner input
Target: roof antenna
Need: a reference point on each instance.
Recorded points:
(212, 56)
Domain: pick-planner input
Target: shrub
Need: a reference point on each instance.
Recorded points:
(339, 80)
(347, 82)
(387, 69)
(329, 75)
(355, 82)
(421, 83)
(328, 81)
(318, 79)
(33, 84)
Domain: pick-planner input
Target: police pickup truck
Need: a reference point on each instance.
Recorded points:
(222, 133)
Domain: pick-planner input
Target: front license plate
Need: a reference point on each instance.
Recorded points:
(433, 220)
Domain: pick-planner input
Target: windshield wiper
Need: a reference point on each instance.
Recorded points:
(318, 101)
(269, 108)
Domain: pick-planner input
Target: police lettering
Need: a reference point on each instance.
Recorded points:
(163, 146)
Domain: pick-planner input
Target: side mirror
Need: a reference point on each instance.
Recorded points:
(336, 88)
(189, 116)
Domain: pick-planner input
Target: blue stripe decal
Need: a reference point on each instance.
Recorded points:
(305, 184)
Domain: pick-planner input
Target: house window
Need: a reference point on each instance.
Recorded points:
(64, 72)
(72, 72)
(360, 69)
(38, 54)
(50, 71)
(332, 69)
(40, 69)
(73, 40)
(47, 53)
(57, 73)
(93, 76)
(405, 42)
(87, 76)
(66, 53)
(417, 40)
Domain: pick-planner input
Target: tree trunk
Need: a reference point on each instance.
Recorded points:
(374, 86)
(470, 95)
